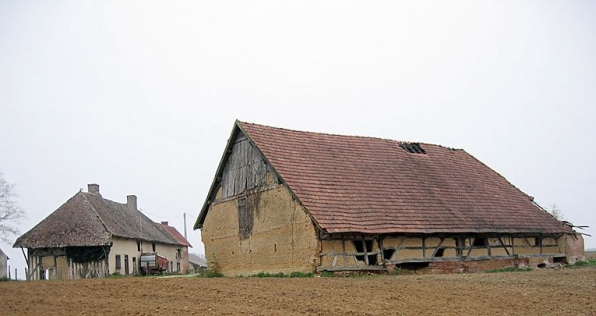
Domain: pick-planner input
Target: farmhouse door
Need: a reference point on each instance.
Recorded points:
(126, 265)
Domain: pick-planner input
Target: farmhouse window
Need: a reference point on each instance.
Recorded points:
(126, 271)
(118, 262)
(153, 246)
(138, 246)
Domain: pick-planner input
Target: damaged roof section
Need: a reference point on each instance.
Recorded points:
(373, 185)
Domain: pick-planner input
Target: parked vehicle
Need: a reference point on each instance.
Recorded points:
(152, 263)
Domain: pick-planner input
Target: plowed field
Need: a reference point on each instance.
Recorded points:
(562, 292)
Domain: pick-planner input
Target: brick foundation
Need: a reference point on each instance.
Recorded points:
(473, 266)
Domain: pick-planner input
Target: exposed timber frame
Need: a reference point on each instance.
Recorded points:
(505, 243)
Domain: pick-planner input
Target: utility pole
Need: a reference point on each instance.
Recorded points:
(185, 227)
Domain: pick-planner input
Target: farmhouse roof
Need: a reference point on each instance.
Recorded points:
(373, 185)
(175, 234)
(88, 219)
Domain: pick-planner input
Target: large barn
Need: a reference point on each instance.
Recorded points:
(285, 201)
(90, 236)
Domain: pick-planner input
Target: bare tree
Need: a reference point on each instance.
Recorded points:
(557, 213)
(10, 212)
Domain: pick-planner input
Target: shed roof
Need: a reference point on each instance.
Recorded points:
(372, 185)
(88, 219)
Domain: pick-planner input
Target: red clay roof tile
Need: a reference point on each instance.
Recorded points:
(372, 185)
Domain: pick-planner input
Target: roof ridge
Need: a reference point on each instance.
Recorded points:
(343, 135)
(98, 216)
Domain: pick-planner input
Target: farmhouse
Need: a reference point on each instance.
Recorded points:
(284, 201)
(90, 236)
(3, 265)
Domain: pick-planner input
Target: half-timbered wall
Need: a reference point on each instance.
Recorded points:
(360, 252)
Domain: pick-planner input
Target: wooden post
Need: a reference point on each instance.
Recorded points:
(540, 241)
(343, 245)
(365, 251)
(504, 247)
(513, 246)
(423, 247)
(487, 239)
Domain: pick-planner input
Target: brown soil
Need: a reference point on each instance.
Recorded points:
(531, 293)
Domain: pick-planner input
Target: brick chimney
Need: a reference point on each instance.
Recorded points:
(93, 188)
(164, 223)
(131, 203)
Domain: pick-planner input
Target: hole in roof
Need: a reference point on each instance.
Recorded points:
(413, 148)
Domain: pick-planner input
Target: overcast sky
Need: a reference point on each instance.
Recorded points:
(140, 96)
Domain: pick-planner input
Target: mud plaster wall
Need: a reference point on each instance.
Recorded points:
(575, 248)
(282, 239)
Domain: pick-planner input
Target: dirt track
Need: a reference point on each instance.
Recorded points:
(536, 293)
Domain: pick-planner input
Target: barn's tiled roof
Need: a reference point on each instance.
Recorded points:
(87, 219)
(372, 185)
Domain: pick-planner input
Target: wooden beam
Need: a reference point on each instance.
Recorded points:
(504, 247)
(438, 247)
(398, 248)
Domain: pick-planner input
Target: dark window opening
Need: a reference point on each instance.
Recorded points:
(153, 246)
(118, 262)
(439, 252)
(537, 241)
(479, 242)
(372, 260)
(178, 267)
(359, 245)
(413, 148)
(413, 266)
(365, 246)
(388, 253)
(138, 246)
